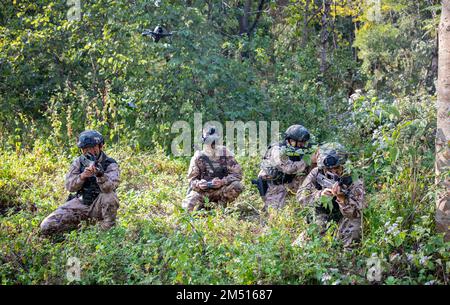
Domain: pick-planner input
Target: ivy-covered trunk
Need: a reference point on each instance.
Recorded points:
(443, 124)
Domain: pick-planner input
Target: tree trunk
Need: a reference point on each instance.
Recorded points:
(432, 71)
(243, 18)
(305, 32)
(443, 125)
(258, 15)
(324, 35)
(210, 8)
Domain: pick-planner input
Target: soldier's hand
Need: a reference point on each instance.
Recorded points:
(327, 192)
(314, 157)
(93, 169)
(88, 172)
(340, 198)
(203, 184)
(217, 183)
(336, 189)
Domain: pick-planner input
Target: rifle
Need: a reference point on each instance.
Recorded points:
(89, 160)
(291, 152)
(325, 182)
(208, 183)
(261, 185)
(298, 153)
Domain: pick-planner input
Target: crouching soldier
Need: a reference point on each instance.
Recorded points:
(94, 177)
(347, 197)
(213, 174)
(283, 168)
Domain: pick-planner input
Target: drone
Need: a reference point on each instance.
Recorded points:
(157, 33)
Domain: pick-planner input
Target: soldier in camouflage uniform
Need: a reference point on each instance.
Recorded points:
(94, 177)
(213, 174)
(347, 196)
(282, 167)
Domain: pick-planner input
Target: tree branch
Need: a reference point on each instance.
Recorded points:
(258, 15)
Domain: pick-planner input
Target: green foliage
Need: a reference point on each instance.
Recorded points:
(101, 73)
(398, 51)
(59, 77)
(156, 242)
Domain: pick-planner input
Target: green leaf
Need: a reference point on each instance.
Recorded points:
(393, 154)
(307, 159)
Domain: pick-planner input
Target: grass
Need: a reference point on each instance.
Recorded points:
(156, 242)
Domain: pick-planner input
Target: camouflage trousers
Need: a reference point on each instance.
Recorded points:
(68, 216)
(349, 229)
(223, 195)
(276, 194)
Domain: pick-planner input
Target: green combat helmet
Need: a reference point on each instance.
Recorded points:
(331, 155)
(297, 133)
(90, 138)
(210, 135)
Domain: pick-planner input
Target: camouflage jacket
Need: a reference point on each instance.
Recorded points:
(223, 166)
(310, 192)
(275, 159)
(107, 183)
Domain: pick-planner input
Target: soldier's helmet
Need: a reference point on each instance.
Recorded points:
(210, 135)
(331, 155)
(90, 138)
(297, 133)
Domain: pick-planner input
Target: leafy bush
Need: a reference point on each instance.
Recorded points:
(155, 242)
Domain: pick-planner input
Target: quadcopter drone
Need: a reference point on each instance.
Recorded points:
(157, 33)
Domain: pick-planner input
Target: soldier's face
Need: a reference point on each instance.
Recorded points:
(339, 170)
(298, 144)
(95, 150)
(209, 145)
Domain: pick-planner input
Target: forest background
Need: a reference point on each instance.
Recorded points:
(65, 68)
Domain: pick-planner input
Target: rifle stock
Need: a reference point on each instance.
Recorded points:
(261, 185)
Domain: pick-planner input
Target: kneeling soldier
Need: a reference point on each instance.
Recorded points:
(282, 168)
(94, 177)
(213, 174)
(347, 197)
